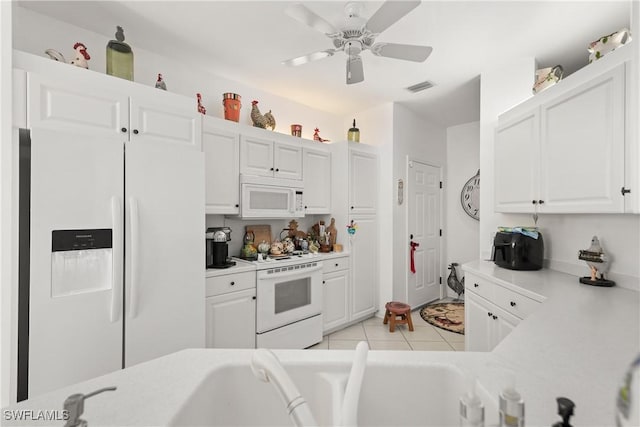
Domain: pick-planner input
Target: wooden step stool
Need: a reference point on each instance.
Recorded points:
(399, 313)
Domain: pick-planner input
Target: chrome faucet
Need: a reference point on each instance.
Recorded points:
(74, 406)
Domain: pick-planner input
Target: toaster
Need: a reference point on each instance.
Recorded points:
(517, 251)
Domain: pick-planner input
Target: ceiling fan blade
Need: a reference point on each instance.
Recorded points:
(293, 62)
(355, 72)
(407, 52)
(389, 13)
(303, 14)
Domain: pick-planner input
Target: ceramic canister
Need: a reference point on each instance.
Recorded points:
(232, 105)
(296, 130)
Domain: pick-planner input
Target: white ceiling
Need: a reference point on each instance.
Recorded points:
(247, 40)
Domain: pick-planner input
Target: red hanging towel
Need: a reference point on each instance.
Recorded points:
(414, 245)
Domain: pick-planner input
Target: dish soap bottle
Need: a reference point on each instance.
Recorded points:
(511, 405)
(354, 133)
(119, 57)
(471, 408)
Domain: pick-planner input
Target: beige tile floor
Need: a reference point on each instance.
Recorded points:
(424, 337)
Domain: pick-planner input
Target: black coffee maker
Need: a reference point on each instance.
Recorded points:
(217, 247)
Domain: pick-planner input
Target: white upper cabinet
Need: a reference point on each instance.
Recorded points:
(516, 159)
(317, 181)
(563, 151)
(167, 117)
(265, 157)
(363, 181)
(582, 144)
(222, 180)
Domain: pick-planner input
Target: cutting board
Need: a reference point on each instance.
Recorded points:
(261, 232)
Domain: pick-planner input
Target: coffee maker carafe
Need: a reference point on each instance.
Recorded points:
(217, 247)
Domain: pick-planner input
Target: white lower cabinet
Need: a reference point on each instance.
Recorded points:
(335, 286)
(231, 311)
(491, 312)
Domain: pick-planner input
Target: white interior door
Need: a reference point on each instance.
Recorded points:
(164, 243)
(75, 316)
(423, 205)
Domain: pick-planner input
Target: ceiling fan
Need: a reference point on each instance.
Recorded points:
(359, 35)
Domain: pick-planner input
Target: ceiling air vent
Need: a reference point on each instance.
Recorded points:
(420, 86)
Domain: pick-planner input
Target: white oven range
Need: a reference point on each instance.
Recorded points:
(289, 302)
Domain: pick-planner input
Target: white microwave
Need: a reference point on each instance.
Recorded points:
(263, 197)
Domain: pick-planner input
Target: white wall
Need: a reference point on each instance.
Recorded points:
(181, 78)
(463, 161)
(564, 235)
(417, 139)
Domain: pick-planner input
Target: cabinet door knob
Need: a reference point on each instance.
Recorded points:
(475, 285)
(232, 283)
(336, 264)
(123, 130)
(135, 131)
(306, 207)
(323, 282)
(494, 317)
(271, 169)
(351, 207)
(277, 170)
(253, 297)
(535, 202)
(540, 202)
(513, 304)
(237, 205)
(489, 314)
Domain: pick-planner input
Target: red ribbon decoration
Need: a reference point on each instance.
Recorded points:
(414, 245)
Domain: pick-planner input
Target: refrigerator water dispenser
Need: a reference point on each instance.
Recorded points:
(81, 261)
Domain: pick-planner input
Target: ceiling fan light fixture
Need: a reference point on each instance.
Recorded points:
(418, 87)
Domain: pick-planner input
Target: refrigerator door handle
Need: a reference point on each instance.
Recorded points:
(135, 248)
(118, 258)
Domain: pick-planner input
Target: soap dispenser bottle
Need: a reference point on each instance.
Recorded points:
(511, 405)
(471, 408)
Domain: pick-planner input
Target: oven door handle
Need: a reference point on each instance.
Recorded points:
(289, 273)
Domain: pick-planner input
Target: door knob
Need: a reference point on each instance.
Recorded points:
(513, 304)
(135, 131)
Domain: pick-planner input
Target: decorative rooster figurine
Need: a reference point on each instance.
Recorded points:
(201, 108)
(82, 56)
(452, 281)
(160, 84)
(317, 137)
(259, 120)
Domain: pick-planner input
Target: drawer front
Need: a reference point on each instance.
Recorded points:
(514, 303)
(479, 286)
(335, 264)
(230, 283)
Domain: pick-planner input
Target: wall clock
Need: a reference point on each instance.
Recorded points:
(470, 196)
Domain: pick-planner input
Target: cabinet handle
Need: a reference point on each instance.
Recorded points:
(124, 130)
(323, 282)
(351, 207)
(232, 283)
(277, 170)
(271, 169)
(513, 304)
(625, 191)
(237, 205)
(494, 317)
(540, 202)
(135, 131)
(306, 207)
(336, 264)
(475, 285)
(253, 297)
(489, 314)
(535, 202)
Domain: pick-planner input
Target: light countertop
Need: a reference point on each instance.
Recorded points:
(577, 344)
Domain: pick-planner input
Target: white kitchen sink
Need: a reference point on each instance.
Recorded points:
(424, 394)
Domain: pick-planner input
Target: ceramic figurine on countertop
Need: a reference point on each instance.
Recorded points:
(201, 108)
(119, 57)
(160, 84)
(598, 262)
(259, 120)
(316, 136)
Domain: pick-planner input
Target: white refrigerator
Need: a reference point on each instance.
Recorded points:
(112, 234)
